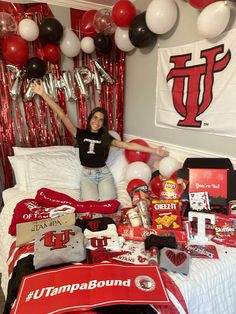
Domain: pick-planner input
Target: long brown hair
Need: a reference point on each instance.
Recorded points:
(104, 131)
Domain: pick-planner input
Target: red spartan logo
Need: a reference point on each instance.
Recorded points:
(57, 240)
(94, 225)
(99, 242)
(194, 75)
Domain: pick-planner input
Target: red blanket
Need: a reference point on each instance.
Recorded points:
(49, 203)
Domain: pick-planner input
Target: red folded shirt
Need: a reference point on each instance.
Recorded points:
(47, 200)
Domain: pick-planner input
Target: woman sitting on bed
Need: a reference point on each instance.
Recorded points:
(97, 182)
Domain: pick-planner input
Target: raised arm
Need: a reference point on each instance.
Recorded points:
(160, 150)
(37, 88)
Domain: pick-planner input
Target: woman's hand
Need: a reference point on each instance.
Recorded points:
(161, 151)
(37, 87)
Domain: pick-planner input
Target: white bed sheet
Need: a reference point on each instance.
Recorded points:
(209, 288)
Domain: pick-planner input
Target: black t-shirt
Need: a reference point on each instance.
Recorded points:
(92, 153)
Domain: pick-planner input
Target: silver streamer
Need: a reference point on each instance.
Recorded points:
(29, 94)
(17, 81)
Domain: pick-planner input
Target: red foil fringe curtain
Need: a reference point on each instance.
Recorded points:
(32, 123)
(112, 95)
(26, 123)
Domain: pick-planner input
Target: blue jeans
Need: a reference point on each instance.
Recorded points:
(97, 184)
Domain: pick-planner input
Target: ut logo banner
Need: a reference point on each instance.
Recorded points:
(196, 86)
(57, 240)
(193, 105)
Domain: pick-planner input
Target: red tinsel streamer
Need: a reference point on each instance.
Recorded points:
(76, 16)
(120, 65)
(6, 124)
(7, 139)
(39, 122)
(25, 124)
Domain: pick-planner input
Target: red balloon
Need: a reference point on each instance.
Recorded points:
(134, 184)
(86, 23)
(123, 13)
(201, 4)
(52, 53)
(132, 155)
(155, 185)
(15, 50)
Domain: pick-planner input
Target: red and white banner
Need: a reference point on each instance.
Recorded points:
(196, 86)
(82, 287)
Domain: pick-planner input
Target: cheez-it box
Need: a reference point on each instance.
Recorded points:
(165, 214)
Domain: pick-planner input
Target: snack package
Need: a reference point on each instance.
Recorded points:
(171, 190)
(166, 214)
(201, 251)
(140, 233)
(225, 230)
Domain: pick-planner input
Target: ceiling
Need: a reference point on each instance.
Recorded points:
(82, 4)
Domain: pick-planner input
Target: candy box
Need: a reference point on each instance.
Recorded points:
(225, 230)
(165, 214)
(140, 234)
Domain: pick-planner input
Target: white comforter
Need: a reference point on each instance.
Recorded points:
(209, 288)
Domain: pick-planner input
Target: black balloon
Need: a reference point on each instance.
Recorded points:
(35, 68)
(103, 43)
(155, 173)
(50, 30)
(139, 34)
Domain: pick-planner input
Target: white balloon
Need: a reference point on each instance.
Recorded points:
(138, 170)
(70, 44)
(87, 44)
(28, 29)
(168, 165)
(161, 15)
(213, 19)
(122, 40)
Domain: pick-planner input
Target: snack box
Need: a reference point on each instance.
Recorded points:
(166, 214)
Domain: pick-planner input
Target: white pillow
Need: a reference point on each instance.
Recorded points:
(117, 164)
(19, 151)
(19, 167)
(53, 171)
(58, 170)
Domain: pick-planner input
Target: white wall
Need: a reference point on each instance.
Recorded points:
(140, 89)
(140, 85)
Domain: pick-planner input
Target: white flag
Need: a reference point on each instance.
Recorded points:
(196, 86)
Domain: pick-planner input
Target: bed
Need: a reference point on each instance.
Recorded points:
(209, 286)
